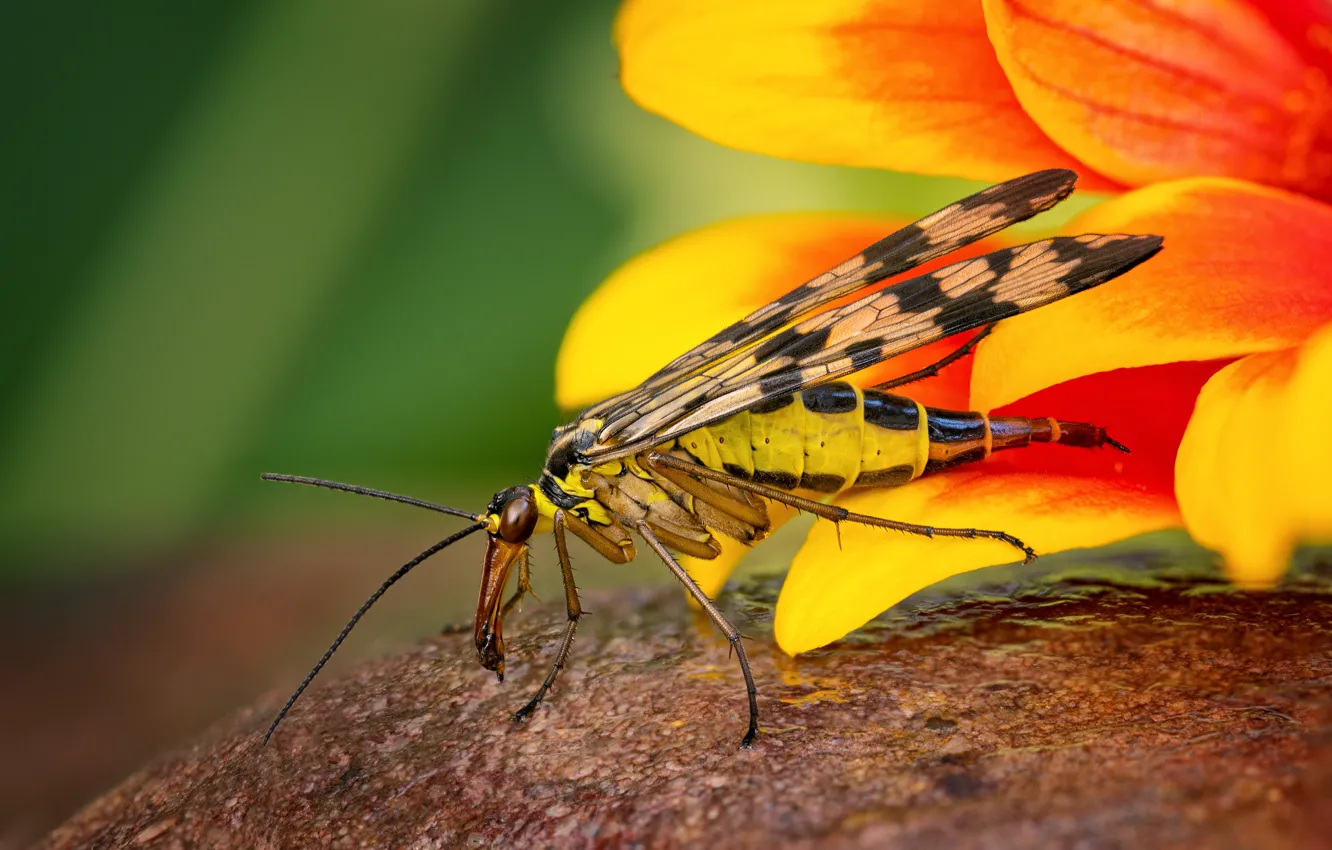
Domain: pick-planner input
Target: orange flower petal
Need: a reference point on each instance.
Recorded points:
(1146, 409)
(1306, 25)
(882, 83)
(1253, 468)
(1243, 271)
(1053, 497)
(679, 293)
(673, 296)
(1145, 92)
(949, 389)
(835, 586)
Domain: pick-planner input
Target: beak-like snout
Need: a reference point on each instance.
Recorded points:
(500, 557)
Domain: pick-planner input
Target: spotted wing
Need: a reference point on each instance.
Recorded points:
(958, 224)
(880, 325)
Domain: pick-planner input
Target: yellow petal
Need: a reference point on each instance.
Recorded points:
(676, 295)
(834, 588)
(894, 84)
(711, 576)
(1243, 270)
(1253, 468)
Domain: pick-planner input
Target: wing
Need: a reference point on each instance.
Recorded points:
(874, 328)
(958, 224)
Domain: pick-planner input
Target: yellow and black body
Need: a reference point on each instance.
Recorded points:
(759, 414)
(814, 444)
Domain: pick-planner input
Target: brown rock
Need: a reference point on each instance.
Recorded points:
(1071, 712)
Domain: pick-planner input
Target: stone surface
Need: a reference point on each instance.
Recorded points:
(1073, 710)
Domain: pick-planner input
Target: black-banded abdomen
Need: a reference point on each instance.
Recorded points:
(825, 439)
(835, 436)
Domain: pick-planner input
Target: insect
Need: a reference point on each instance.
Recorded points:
(757, 414)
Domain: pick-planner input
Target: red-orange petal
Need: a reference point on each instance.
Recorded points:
(1145, 92)
(1146, 409)
(1253, 468)
(1052, 497)
(1243, 270)
(1306, 25)
(893, 84)
(674, 296)
(838, 584)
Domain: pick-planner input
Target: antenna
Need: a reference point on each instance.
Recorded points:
(366, 491)
(374, 597)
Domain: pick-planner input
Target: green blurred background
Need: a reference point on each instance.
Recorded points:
(332, 238)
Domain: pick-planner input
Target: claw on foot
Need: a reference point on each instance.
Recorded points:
(523, 713)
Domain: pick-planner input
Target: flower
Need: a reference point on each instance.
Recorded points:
(1213, 361)
(1126, 92)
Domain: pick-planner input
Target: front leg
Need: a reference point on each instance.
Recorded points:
(524, 586)
(574, 609)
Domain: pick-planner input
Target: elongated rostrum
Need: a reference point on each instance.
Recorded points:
(759, 414)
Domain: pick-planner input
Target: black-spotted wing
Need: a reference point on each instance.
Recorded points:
(880, 325)
(956, 225)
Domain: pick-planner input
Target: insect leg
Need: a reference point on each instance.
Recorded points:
(934, 368)
(839, 514)
(753, 514)
(524, 585)
(575, 611)
(717, 617)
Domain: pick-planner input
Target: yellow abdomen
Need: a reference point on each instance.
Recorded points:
(825, 439)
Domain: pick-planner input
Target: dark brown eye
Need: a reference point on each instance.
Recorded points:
(518, 519)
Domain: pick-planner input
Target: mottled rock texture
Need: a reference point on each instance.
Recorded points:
(1073, 710)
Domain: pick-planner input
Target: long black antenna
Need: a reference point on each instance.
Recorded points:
(342, 635)
(366, 491)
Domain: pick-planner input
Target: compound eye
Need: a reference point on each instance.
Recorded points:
(518, 519)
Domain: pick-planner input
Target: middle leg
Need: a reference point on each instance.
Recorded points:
(718, 618)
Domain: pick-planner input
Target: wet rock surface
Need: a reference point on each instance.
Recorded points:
(1101, 708)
